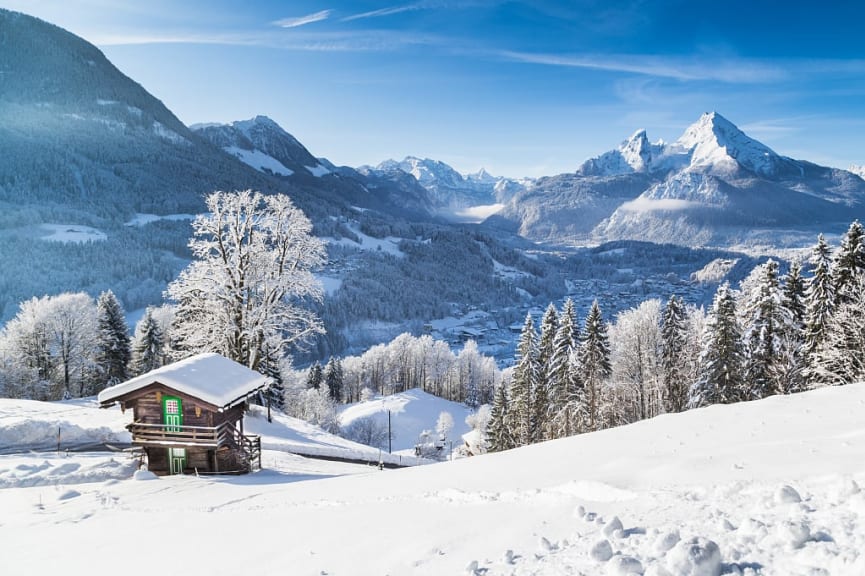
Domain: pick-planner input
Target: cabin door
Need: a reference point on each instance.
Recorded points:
(172, 413)
(176, 460)
(172, 419)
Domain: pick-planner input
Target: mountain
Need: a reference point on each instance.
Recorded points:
(451, 192)
(265, 146)
(714, 185)
(858, 170)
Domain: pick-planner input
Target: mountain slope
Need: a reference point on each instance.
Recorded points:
(766, 487)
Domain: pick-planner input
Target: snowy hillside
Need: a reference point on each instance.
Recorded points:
(411, 413)
(768, 487)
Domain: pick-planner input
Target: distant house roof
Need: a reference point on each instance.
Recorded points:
(209, 377)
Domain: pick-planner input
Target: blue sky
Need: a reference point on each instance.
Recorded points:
(521, 88)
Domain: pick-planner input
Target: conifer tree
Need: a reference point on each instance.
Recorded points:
(819, 306)
(721, 360)
(270, 367)
(498, 434)
(790, 369)
(595, 365)
(562, 379)
(315, 376)
(113, 350)
(541, 396)
(333, 378)
(524, 382)
(765, 322)
(148, 346)
(673, 361)
(840, 359)
(849, 263)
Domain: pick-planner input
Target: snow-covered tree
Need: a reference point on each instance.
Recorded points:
(498, 429)
(722, 359)
(479, 422)
(849, 263)
(444, 425)
(595, 367)
(563, 379)
(333, 378)
(316, 407)
(674, 356)
(315, 376)
(251, 273)
(113, 349)
(636, 361)
(148, 345)
(764, 321)
(819, 307)
(790, 366)
(525, 380)
(840, 359)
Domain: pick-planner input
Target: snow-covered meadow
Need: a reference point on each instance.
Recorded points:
(766, 487)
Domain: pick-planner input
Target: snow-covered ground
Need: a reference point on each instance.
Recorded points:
(71, 233)
(411, 413)
(768, 487)
(389, 244)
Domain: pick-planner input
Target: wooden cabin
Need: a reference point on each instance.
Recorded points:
(188, 416)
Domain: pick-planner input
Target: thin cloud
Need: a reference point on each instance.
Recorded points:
(304, 20)
(388, 11)
(729, 71)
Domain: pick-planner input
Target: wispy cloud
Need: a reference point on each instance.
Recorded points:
(388, 11)
(730, 71)
(304, 20)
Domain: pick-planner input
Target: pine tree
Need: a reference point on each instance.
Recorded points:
(541, 396)
(594, 358)
(315, 376)
(523, 384)
(790, 368)
(673, 343)
(270, 367)
(765, 322)
(148, 346)
(498, 434)
(819, 307)
(849, 263)
(840, 359)
(333, 378)
(562, 380)
(721, 360)
(113, 350)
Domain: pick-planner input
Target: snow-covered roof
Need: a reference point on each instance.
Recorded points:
(210, 377)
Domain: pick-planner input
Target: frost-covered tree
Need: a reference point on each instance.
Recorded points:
(541, 397)
(444, 425)
(840, 359)
(849, 263)
(722, 359)
(790, 367)
(148, 345)
(525, 379)
(479, 422)
(333, 378)
(636, 361)
(315, 376)
(674, 355)
(113, 349)
(253, 257)
(764, 320)
(498, 429)
(819, 306)
(594, 360)
(564, 385)
(316, 407)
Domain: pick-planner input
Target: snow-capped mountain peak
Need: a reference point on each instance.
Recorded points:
(858, 170)
(636, 154)
(717, 145)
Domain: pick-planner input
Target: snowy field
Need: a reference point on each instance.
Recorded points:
(768, 487)
(411, 413)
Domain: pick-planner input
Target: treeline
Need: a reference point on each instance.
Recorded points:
(774, 335)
